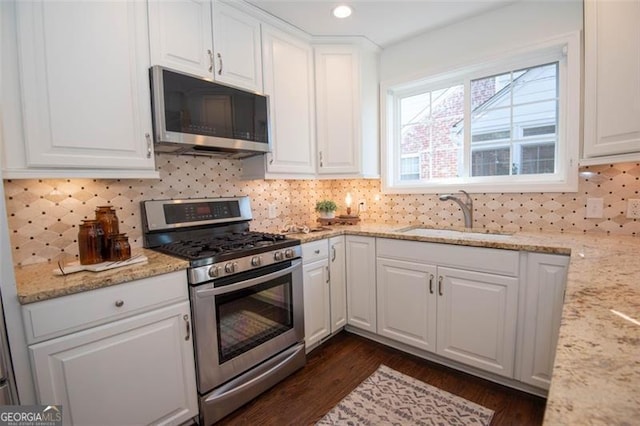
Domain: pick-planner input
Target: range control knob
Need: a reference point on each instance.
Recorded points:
(256, 261)
(288, 253)
(277, 255)
(230, 268)
(214, 271)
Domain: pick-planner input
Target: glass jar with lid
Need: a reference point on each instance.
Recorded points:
(90, 242)
(107, 217)
(119, 247)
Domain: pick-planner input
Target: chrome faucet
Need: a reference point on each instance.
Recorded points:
(466, 206)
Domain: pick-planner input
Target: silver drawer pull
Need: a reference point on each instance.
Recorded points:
(317, 252)
(119, 303)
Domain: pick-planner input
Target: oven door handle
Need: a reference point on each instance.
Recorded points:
(208, 291)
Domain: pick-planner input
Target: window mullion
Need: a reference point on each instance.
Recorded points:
(466, 150)
(511, 144)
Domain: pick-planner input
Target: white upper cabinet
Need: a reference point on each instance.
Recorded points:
(346, 110)
(181, 36)
(238, 56)
(288, 80)
(206, 39)
(612, 86)
(84, 90)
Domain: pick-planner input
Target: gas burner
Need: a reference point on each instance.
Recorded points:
(226, 245)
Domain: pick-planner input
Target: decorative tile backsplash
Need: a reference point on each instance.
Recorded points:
(44, 214)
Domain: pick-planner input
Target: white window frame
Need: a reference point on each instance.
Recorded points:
(565, 49)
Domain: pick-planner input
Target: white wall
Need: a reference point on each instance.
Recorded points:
(511, 27)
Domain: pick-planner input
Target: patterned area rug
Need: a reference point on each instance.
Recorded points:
(388, 397)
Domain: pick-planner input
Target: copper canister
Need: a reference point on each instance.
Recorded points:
(107, 217)
(120, 248)
(90, 237)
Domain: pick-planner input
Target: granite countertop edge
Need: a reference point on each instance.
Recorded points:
(37, 282)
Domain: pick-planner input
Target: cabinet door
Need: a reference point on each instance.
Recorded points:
(181, 35)
(407, 302)
(288, 80)
(85, 84)
(477, 316)
(236, 38)
(545, 284)
(338, 278)
(135, 371)
(338, 108)
(612, 86)
(316, 301)
(361, 282)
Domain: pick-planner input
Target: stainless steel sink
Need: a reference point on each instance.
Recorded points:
(451, 233)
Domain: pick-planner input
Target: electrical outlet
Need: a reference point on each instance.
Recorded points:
(594, 208)
(273, 211)
(633, 208)
(363, 205)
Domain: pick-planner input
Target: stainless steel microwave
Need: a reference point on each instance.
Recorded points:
(199, 116)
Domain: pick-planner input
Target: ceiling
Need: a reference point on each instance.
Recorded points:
(383, 22)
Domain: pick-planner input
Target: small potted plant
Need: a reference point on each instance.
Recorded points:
(326, 209)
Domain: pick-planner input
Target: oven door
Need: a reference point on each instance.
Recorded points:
(242, 320)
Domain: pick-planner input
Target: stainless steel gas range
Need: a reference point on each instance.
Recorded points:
(246, 297)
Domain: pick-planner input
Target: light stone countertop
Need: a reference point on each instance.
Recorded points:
(596, 376)
(37, 282)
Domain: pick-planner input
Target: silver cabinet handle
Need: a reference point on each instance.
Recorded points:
(333, 253)
(119, 303)
(210, 53)
(221, 63)
(316, 251)
(186, 321)
(430, 283)
(148, 137)
(321, 162)
(440, 285)
(328, 274)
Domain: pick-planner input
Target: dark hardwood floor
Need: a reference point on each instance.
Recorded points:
(339, 365)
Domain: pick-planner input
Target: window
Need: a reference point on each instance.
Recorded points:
(410, 167)
(510, 125)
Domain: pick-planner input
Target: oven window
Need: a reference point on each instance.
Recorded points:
(249, 317)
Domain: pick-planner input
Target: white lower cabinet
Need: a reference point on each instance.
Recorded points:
(463, 315)
(137, 370)
(324, 284)
(338, 280)
(544, 297)
(317, 301)
(406, 302)
(477, 316)
(361, 282)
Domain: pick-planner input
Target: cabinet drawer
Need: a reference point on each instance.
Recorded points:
(56, 317)
(494, 261)
(315, 250)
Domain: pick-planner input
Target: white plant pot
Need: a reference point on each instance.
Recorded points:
(327, 215)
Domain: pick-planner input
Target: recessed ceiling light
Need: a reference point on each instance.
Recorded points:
(342, 11)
